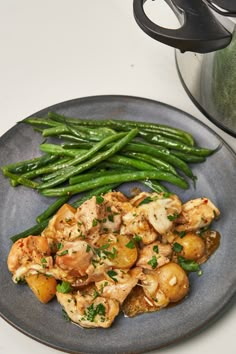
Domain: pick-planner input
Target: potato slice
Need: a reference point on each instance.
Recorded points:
(43, 287)
(120, 249)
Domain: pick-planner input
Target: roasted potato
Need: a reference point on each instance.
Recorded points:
(173, 281)
(121, 250)
(43, 287)
(193, 246)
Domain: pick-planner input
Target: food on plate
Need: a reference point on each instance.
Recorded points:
(87, 154)
(112, 253)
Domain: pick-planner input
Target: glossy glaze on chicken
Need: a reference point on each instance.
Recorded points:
(116, 253)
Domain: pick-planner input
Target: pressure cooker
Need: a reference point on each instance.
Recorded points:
(205, 53)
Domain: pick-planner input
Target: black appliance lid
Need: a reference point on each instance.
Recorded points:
(224, 7)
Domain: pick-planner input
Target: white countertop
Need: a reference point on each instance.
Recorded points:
(52, 51)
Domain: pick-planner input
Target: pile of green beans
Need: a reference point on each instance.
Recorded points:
(94, 156)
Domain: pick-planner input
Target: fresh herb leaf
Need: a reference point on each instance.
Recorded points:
(59, 246)
(173, 217)
(153, 262)
(88, 248)
(94, 222)
(63, 253)
(111, 217)
(99, 199)
(92, 312)
(146, 200)
(130, 244)
(182, 234)
(65, 315)
(112, 275)
(177, 247)
(100, 309)
(156, 249)
(189, 265)
(64, 287)
(137, 238)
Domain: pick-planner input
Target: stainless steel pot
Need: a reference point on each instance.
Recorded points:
(205, 53)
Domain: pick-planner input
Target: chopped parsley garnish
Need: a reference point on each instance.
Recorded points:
(146, 200)
(65, 315)
(137, 238)
(92, 312)
(95, 294)
(99, 199)
(177, 247)
(182, 234)
(130, 244)
(189, 265)
(64, 287)
(88, 248)
(68, 220)
(173, 217)
(156, 249)
(166, 194)
(112, 275)
(153, 262)
(109, 209)
(44, 262)
(63, 253)
(111, 217)
(94, 222)
(59, 246)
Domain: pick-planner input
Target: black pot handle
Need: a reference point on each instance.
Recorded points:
(200, 31)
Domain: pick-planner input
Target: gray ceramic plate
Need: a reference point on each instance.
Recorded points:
(209, 293)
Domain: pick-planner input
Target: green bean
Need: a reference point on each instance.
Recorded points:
(59, 150)
(79, 145)
(155, 186)
(20, 180)
(52, 209)
(124, 123)
(34, 121)
(34, 230)
(90, 175)
(79, 132)
(187, 157)
(158, 163)
(118, 178)
(131, 162)
(85, 155)
(72, 171)
(71, 138)
(47, 169)
(163, 154)
(30, 165)
(171, 144)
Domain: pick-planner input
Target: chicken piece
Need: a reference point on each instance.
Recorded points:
(154, 295)
(87, 311)
(88, 217)
(135, 223)
(119, 286)
(154, 255)
(161, 211)
(32, 252)
(119, 201)
(63, 225)
(74, 257)
(79, 264)
(196, 214)
(152, 214)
